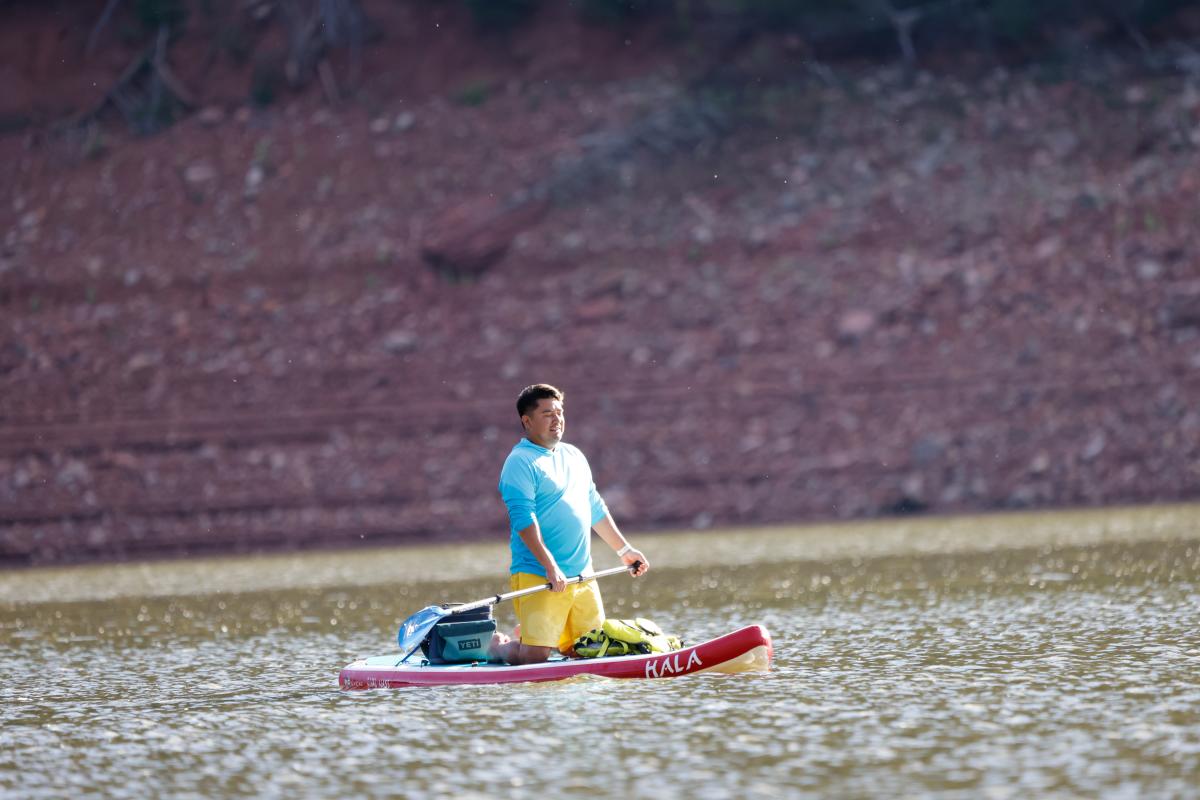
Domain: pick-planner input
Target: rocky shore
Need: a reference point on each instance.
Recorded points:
(890, 297)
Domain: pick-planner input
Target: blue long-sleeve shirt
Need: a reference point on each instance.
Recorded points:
(555, 487)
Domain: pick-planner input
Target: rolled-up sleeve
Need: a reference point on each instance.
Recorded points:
(599, 508)
(517, 490)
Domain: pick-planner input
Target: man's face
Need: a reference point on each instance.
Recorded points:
(545, 422)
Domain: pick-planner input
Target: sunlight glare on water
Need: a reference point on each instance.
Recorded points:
(926, 662)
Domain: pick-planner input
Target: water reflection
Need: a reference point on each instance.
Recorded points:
(1053, 667)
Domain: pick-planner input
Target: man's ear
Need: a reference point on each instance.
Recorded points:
(525, 421)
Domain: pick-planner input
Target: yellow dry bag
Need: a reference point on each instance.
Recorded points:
(624, 637)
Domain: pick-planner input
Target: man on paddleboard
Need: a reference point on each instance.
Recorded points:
(553, 507)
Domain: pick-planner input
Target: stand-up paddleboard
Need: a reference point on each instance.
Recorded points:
(745, 650)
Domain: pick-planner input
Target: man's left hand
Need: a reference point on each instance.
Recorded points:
(633, 557)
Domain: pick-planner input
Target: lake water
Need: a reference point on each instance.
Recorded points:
(1000, 656)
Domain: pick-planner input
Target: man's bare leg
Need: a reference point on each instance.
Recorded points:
(512, 651)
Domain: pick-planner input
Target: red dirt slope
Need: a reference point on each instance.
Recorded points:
(956, 295)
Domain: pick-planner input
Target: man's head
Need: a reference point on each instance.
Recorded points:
(540, 407)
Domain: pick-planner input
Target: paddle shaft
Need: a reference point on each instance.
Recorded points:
(535, 589)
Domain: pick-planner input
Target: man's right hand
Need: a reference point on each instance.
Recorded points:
(558, 581)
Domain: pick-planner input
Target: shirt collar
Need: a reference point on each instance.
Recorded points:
(525, 442)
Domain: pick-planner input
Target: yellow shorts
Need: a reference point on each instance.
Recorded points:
(556, 619)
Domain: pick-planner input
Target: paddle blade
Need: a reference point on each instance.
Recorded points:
(414, 629)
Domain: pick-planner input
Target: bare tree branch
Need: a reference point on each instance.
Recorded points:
(167, 75)
(105, 16)
(1123, 19)
(314, 29)
(143, 90)
(111, 96)
(154, 106)
(904, 20)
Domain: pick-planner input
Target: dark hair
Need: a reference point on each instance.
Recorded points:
(531, 395)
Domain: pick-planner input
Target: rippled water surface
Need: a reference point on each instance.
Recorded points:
(1007, 656)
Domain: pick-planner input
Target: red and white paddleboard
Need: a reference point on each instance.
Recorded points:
(745, 650)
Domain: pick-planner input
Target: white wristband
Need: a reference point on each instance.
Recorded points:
(624, 549)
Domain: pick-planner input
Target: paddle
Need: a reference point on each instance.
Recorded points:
(414, 629)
